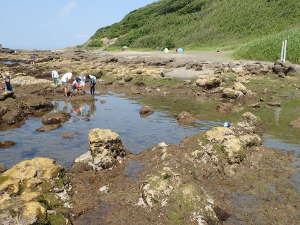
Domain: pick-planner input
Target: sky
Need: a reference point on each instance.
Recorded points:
(54, 24)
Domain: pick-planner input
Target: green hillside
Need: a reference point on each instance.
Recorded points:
(202, 23)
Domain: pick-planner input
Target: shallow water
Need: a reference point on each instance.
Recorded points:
(118, 114)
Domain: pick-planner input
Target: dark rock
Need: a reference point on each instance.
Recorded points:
(146, 111)
(128, 79)
(7, 94)
(49, 127)
(140, 84)
(55, 118)
(185, 118)
(7, 144)
(103, 101)
(274, 104)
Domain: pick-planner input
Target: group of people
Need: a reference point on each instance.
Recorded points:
(70, 85)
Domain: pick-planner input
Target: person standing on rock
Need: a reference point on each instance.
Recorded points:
(8, 86)
(66, 78)
(55, 77)
(93, 80)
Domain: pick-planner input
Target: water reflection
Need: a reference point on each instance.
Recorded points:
(82, 109)
(118, 114)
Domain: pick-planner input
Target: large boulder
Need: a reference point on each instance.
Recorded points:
(55, 118)
(208, 81)
(284, 68)
(232, 143)
(23, 186)
(106, 149)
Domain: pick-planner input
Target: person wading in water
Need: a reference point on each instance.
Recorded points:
(93, 80)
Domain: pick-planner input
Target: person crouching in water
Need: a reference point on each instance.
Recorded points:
(93, 80)
(66, 78)
(55, 77)
(76, 85)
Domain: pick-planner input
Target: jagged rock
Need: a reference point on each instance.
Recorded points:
(7, 144)
(233, 142)
(185, 118)
(7, 94)
(208, 81)
(295, 124)
(55, 118)
(146, 111)
(106, 149)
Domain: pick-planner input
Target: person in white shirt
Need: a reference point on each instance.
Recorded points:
(93, 81)
(55, 77)
(66, 78)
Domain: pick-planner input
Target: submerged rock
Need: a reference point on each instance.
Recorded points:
(146, 111)
(48, 127)
(67, 135)
(55, 118)
(7, 144)
(185, 118)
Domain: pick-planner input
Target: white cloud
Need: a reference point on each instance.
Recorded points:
(68, 8)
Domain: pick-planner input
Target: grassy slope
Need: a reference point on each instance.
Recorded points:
(203, 23)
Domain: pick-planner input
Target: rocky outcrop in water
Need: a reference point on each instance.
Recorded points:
(32, 189)
(106, 150)
(185, 118)
(7, 144)
(146, 111)
(55, 118)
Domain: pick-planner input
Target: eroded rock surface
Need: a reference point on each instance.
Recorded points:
(106, 149)
(27, 191)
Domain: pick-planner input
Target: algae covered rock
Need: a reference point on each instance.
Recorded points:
(23, 189)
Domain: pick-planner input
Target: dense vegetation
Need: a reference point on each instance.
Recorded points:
(204, 23)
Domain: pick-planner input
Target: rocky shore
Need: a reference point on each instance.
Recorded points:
(222, 176)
